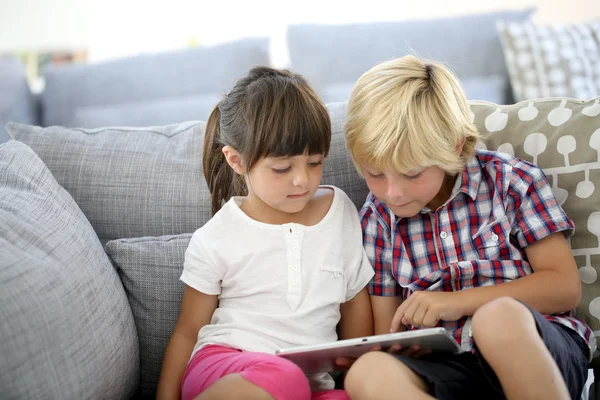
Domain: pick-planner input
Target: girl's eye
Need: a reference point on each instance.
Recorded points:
(375, 175)
(282, 171)
(315, 164)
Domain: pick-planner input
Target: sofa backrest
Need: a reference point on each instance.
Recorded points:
(16, 100)
(151, 89)
(333, 57)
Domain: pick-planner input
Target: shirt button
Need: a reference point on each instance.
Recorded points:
(294, 249)
(443, 235)
(495, 237)
(294, 282)
(337, 274)
(295, 268)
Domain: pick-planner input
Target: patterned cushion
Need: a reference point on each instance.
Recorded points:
(67, 330)
(150, 268)
(552, 60)
(562, 136)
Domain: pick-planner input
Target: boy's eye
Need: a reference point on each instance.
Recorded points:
(411, 177)
(374, 175)
(315, 164)
(281, 171)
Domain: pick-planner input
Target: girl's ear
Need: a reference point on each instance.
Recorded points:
(234, 159)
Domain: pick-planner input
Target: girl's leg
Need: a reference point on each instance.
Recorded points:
(223, 373)
(507, 337)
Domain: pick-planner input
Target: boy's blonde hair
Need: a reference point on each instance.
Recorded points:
(407, 114)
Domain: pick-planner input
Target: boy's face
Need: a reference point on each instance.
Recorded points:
(407, 194)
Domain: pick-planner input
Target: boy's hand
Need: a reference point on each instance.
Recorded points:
(426, 309)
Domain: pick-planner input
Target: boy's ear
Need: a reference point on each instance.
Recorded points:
(460, 145)
(234, 159)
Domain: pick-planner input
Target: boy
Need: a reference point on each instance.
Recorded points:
(454, 235)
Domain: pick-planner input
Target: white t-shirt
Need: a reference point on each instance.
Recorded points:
(278, 285)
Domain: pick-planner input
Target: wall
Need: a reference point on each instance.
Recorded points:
(114, 28)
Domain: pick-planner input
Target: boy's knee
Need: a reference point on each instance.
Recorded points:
(372, 371)
(502, 319)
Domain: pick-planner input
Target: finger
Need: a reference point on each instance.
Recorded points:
(421, 353)
(398, 315)
(419, 313)
(344, 362)
(395, 348)
(411, 350)
(430, 319)
(410, 311)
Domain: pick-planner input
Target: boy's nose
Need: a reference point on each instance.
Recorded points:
(395, 191)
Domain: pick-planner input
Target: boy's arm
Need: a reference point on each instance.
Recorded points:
(356, 317)
(197, 309)
(554, 286)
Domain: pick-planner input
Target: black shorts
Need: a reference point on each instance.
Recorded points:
(469, 376)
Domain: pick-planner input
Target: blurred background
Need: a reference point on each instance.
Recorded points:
(106, 62)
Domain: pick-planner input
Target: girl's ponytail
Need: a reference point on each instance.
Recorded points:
(222, 181)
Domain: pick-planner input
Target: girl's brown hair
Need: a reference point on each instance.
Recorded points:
(268, 113)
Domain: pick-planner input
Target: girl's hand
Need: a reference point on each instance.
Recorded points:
(426, 309)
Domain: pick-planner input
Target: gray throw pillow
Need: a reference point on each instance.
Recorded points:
(129, 182)
(66, 328)
(150, 268)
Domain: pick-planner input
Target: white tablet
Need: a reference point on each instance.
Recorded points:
(321, 357)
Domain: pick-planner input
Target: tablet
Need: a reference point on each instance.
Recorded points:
(321, 357)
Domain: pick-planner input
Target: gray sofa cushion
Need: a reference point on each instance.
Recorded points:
(135, 182)
(129, 182)
(16, 101)
(150, 268)
(144, 78)
(67, 330)
(338, 169)
(469, 44)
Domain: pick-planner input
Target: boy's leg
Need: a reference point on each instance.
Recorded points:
(378, 375)
(532, 357)
(220, 372)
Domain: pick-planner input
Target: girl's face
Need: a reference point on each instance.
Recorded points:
(407, 194)
(284, 184)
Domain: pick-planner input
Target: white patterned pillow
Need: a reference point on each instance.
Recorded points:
(552, 60)
(561, 136)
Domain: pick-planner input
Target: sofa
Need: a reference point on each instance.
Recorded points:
(165, 88)
(95, 223)
(95, 220)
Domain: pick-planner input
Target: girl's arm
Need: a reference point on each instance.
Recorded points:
(197, 309)
(356, 316)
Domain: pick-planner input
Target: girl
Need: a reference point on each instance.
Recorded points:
(280, 263)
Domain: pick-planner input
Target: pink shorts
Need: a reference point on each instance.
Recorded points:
(281, 378)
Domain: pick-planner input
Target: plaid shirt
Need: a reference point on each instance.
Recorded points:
(499, 205)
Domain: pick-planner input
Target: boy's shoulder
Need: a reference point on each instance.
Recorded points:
(495, 160)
